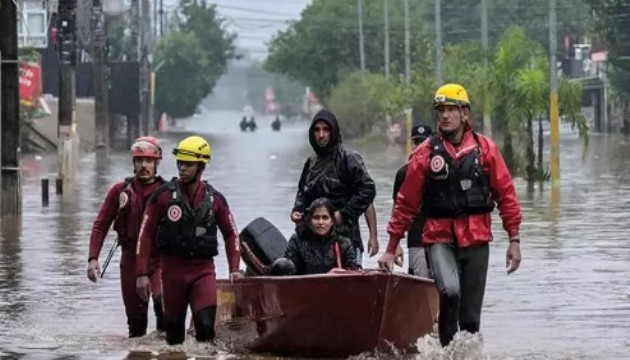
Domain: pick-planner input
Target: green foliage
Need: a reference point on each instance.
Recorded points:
(202, 19)
(179, 87)
(323, 46)
(513, 86)
(193, 57)
(362, 101)
(461, 19)
(570, 95)
(29, 54)
(357, 106)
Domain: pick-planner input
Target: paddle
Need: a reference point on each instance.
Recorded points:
(338, 255)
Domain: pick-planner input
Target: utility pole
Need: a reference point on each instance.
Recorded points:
(438, 41)
(386, 21)
(133, 120)
(10, 111)
(407, 45)
(99, 67)
(145, 41)
(68, 141)
(154, 20)
(408, 112)
(487, 120)
(162, 19)
(484, 27)
(361, 44)
(554, 116)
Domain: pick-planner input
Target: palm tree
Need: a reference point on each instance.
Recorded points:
(533, 91)
(524, 98)
(515, 51)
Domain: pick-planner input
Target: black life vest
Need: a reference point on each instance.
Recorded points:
(456, 188)
(185, 231)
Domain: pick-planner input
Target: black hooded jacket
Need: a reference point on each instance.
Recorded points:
(314, 254)
(336, 173)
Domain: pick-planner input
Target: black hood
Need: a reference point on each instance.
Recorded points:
(335, 134)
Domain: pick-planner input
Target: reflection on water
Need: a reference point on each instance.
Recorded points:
(570, 299)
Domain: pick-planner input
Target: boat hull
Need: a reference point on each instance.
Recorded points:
(328, 315)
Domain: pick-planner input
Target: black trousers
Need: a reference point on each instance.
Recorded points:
(460, 275)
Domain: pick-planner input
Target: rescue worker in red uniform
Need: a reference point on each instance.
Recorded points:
(124, 205)
(180, 224)
(458, 176)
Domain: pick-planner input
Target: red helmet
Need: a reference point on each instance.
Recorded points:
(146, 146)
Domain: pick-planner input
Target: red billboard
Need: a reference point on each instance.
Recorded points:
(30, 83)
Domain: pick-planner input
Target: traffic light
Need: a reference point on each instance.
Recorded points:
(66, 30)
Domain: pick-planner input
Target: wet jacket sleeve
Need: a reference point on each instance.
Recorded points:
(400, 176)
(348, 258)
(104, 220)
(226, 223)
(409, 196)
(150, 220)
(362, 185)
(300, 201)
(292, 252)
(503, 191)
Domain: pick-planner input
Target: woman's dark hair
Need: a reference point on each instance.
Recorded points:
(305, 227)
(318, 203)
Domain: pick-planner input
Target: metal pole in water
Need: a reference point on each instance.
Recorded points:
(45, 192)
(59, 186)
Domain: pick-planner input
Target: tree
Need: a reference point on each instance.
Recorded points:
(321, 48)
(202, 19)
(355, 104)
(179, 88)
(520, 87)
(515, 51)
(533, 94)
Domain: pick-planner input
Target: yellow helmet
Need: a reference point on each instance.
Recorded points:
(193, 148)
(451, 94)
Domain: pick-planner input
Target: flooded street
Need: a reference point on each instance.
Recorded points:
(569, 300)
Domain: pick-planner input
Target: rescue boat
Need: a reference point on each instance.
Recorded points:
(319, 315)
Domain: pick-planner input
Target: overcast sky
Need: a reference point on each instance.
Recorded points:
(256, 21)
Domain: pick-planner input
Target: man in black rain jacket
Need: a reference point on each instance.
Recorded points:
(336, 173)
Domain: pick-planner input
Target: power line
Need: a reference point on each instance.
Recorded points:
(257, 11)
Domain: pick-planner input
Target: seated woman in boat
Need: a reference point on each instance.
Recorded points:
(315, 248)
